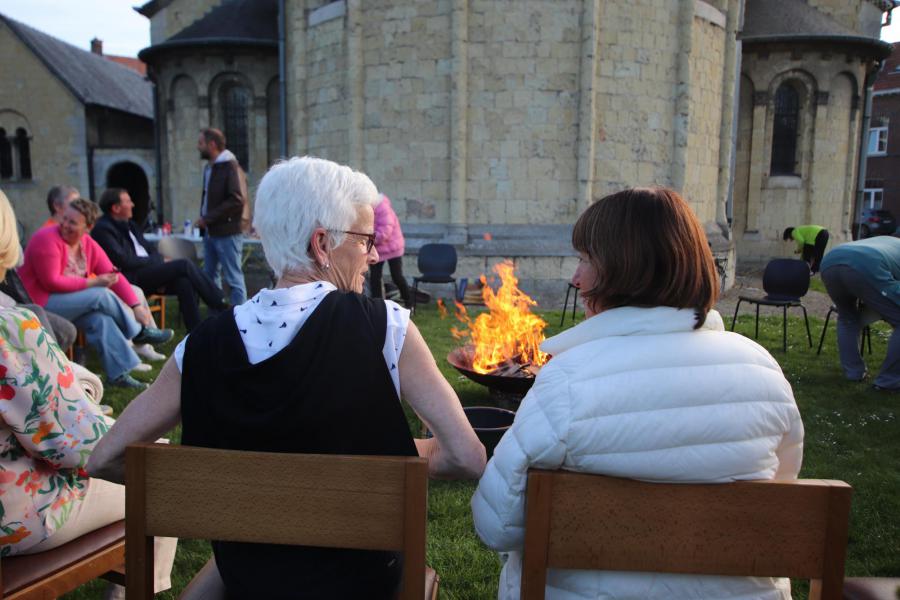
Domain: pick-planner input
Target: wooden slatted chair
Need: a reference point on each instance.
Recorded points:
(157, 304)
(100, 553)
(750, 528)
(360, 502)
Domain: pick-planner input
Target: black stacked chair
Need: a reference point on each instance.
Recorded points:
(437, 263)
(785, 282)
(566, 304)
(866, 333)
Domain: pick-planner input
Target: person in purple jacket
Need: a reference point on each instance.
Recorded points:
(390, 245)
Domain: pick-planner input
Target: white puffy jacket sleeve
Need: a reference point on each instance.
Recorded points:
(534, 440)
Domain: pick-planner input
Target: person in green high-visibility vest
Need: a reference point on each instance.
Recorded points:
(811, 241)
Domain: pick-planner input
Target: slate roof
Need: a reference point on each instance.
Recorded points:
(796, 21)
(233, 23)
(93, 79)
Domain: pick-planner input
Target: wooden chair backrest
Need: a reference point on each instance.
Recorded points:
(750, 528)
(360, 502)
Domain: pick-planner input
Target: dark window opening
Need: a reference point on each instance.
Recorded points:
(24, 147)
(6, 159)
(785, 131)
(235, 115)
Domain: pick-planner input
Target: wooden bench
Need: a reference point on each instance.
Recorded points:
(750, 528)
(100, 553)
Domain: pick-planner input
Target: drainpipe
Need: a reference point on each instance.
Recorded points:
(157, 142)
(864, 144)
(282, 83)
(89, 152)
(738, 60)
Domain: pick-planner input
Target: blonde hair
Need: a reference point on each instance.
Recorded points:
(9, 236)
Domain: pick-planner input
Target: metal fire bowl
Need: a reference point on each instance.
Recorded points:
(461, 358)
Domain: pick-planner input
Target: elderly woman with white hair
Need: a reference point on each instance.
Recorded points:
(312, 366)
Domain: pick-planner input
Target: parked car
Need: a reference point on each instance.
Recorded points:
(875, 222)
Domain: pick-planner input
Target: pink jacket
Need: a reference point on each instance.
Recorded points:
(45, 260)
(388, 236)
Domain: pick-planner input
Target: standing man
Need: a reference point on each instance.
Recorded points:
(866, 272)
(221, 208)
(123, 242)
(811, 241)
(58, 199)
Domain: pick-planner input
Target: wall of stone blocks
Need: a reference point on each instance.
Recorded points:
(523, 79)
(54, 119)
(406, 104)
(635, 94)
(704, 125)
(326, 93)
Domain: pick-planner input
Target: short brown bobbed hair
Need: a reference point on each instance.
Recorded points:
(88, 209)
(648, 249)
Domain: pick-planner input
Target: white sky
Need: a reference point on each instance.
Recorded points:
(125, 32)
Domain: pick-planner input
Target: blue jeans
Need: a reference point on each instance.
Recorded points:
(226, 251)
(107, 323)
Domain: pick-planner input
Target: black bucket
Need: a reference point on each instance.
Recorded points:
(489, 423)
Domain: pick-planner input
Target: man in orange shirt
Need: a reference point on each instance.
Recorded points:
(58, 199)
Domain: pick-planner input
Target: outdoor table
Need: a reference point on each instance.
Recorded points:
(197, 240)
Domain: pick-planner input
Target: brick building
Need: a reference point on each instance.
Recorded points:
(882, 181)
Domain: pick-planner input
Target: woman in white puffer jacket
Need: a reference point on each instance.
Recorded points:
(650, 386)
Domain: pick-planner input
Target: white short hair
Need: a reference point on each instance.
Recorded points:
(300, 194)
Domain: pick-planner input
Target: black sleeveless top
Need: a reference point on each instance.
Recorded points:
(328, 392)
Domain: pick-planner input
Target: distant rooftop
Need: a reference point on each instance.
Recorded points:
(234, 23)
(92, 78)
(796, 21)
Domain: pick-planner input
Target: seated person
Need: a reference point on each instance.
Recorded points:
(123, 242)
(13, 293)
(49, 427)
(273, 376)
(66, 272)
(649, 386)
(58, 199)
(811, 241)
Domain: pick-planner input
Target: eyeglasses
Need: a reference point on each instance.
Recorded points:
(370, 239)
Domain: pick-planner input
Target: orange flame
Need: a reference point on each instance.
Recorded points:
(509, 331)
(441, 308)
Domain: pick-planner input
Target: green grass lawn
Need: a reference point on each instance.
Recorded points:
(852, 434)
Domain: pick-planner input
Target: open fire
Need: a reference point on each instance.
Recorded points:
(505, 340)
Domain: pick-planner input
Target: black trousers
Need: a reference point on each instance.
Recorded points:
(813, 254)
(180, 278)
(396, 266)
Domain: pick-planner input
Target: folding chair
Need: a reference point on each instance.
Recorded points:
(748, 528)
(157, 304)
(437, 263)
(785, 282)
(52, 573)
(566, 304)
(361, 502)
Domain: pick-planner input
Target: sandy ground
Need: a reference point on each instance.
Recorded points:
(749, 282)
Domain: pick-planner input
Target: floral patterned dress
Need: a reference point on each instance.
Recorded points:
(48, 428)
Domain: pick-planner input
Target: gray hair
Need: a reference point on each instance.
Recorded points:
(300, 194)
(57, 195)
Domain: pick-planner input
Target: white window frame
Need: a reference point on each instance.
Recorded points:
(869, 198)
(878, 141)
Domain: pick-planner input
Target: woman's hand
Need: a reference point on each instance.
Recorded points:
(143, 316)
(105, 280)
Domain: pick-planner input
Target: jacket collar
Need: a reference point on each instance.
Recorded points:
(630, 320)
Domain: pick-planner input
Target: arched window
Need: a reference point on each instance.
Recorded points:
(785, 130)
(6, 158)
(24, 146)
(235, 101)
